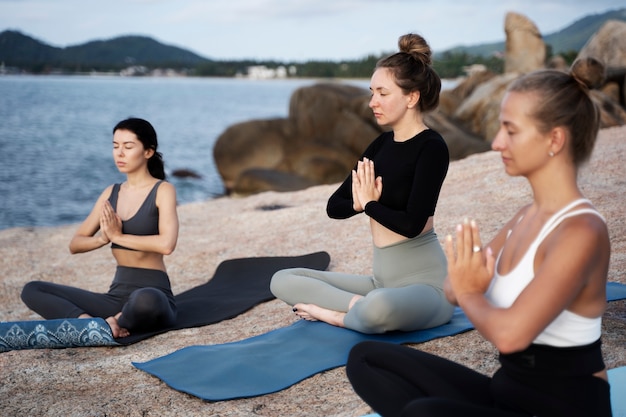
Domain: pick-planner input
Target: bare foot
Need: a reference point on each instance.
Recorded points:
(312, 312)
(116, 330)
(84, 316)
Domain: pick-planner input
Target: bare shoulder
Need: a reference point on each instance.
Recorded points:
(166, 192)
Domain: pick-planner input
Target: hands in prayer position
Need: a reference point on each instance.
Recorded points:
(366, 186)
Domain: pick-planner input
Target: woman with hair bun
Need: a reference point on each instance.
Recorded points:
(396, 184)
(138, 218)
(537, 291)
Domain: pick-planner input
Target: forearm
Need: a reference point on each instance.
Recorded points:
(152, 243)
(495, 324)
(81, 244)
(403, 223)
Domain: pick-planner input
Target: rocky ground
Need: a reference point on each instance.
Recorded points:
(102, 381)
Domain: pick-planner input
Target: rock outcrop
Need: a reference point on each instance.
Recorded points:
(525, 49)
(608, 45)
(330, 124)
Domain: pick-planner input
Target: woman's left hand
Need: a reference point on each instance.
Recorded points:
(367, 186)
(471, 268)
(110, 222)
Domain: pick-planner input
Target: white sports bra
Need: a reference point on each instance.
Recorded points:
(568, 329)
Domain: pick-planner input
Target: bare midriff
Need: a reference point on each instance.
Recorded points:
(384, 237)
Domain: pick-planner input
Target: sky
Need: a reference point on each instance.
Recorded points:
(287, 30)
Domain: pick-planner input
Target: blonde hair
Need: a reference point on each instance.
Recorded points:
(564, 100)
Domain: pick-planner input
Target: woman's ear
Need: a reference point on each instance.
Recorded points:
(413, 99)
(148, 153)
(558, 140)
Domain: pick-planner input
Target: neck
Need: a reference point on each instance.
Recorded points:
(554, 187)
(408, 128)
(139, 179)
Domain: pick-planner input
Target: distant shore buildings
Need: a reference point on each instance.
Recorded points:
(261, 72)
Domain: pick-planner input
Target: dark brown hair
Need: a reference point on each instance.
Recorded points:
(413, 71)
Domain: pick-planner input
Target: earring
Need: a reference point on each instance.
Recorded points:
(551, 154)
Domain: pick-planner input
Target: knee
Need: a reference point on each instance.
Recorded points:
(29, 290)
(374, 313)
(147, 300)
(146, 309)
(280, 282)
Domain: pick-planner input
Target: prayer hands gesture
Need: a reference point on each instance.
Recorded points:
(366, 186)
(471, 268)
(110, 222)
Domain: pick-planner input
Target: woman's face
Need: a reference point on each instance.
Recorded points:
(128, 152)
(523, 148)
(388, 101)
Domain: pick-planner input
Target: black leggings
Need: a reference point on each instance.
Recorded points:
(142, 295)
(400, 381)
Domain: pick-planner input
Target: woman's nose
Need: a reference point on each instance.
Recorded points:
(497, 142)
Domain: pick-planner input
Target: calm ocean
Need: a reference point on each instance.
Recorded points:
(55, 135)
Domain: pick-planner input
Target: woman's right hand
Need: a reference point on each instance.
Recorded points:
(366, 186)
(356, 204)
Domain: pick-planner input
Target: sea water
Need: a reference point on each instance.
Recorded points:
(56, 135)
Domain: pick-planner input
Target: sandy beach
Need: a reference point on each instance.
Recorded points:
(102, 381)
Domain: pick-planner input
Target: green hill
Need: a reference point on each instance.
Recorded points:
(571, 38)
(19, 50)
(24, 53)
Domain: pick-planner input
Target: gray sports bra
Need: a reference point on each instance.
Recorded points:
(145, 222)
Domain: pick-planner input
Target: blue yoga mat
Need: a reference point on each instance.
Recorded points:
(617, 379)
(278, 359)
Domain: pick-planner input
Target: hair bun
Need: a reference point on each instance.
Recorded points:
(589, 72)
(416, 46)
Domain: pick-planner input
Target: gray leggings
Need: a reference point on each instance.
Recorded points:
(405, 293)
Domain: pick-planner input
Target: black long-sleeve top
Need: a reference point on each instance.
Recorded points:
(412, 172)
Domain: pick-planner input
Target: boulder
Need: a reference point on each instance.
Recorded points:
(451, 99)
(480, 112)
(608, 45)
(185, 173)
(318, 143)
(330, 124)
(525, 49)
(256, 143)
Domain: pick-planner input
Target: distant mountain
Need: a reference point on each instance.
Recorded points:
(19, 50)
(571, 38)
(24, 52)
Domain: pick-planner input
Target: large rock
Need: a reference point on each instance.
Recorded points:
(525, 49)
(318, 143)
(608, 45)
(330, 124)
(479, 113)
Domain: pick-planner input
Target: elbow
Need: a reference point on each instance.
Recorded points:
(72, 248)
(168, 249)
(510, 343)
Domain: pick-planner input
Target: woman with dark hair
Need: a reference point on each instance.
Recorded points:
(537, 291)
(138, 218)
(396, 184)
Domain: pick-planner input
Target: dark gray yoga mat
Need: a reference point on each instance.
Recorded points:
(237, 286)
